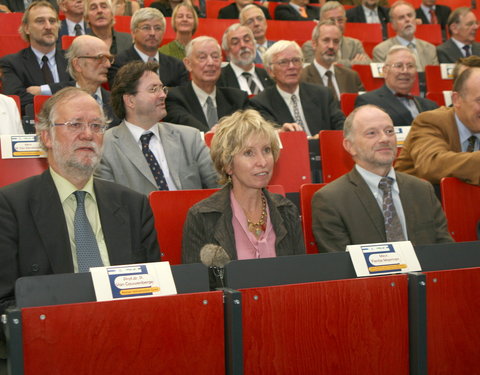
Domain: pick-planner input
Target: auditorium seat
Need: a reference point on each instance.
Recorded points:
(213, 27)
(122, 24)
(461, 204)
(436, 96)
(214, 6)
(38, 101)
(369, 82)
(369, 33)
(283, 30)
(347, 102)
(10, 22)
(336, 161)
(306, 194)
(434, 81)
(11, 43)
(67, 41)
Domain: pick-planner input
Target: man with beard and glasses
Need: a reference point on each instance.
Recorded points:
(373, 203)
(64, 220)
(239, 45)
(395, 95)
(326, 39)
(402, 17)
(41, 68)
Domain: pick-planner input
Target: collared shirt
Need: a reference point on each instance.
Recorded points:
(242, 81)
(464, 133)
(460, 46)
(426, 11)
(296, 7)
(155, 146)
(407, 103)
(322, 71)
(202, 97)
(69, 203)
(247, 244)
(71, 27)
(371, 15)
(287, 97)
(52, 64)
(404, 42)
(372, 180)
(145, 57)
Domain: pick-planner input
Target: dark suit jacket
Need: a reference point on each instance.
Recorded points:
(19, 6)
(384, 98)
(320, 109)
(345, 212)
(229, 79)
(64, 30)
(288, 13)
(184, 108)
(167, 10)
(21, 70)
(34, 236)
(356, 14)
(442, 12)
(449, 53)
(172, 70)
(348, 80)
(231, 12)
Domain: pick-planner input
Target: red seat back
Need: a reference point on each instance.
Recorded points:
(369, 33)
(434, 81)
(10, 22)
(38, 101)
(336, 161)
(428, 32)
(11, 43)
(306, 194)
(369, 82)
(283, 30)
(347, 102)
(437, 97)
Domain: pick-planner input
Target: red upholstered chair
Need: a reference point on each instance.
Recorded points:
(38, 101)
(437, 97)
(369, 33)
(306, 194)
(283, 30)
(461, 203)
(67, 41)
(347, 102)
(214, 6)
(11, 43)
(434, 81)
(122, 24)
(427, 32)
(369, 82)
(336, 161)
(10, 22)
(213, 27)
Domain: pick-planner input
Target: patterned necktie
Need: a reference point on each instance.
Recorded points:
(296, 111)
(433, 17)
(471, 143)
(254, 89)
(303, 12)
(212, 116)
(466, 48)
(393, 227)
(78, 30)
(152, 162)
(329, 75)
(88, 254)
(47, 73)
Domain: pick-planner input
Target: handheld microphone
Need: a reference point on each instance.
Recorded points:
(215, 258)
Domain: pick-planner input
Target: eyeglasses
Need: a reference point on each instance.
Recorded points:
(100, 58)
(157, 89)
(284, 63)
(401, 66)
(148, 28)
(76, 126)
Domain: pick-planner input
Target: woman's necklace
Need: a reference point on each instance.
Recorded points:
(259, 227)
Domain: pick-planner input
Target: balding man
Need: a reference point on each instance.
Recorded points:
(373, 203)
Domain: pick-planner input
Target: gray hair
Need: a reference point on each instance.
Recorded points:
(200, 39)
(331, 5)
(233, 27)
(26, 15)
(278, 47)
(316, 29)
(245, 9)
(146, 14)
(86, 4)
(397, 48)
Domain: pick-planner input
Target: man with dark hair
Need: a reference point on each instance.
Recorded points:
(444, 142)
(232, 11)
(429, 12)
(370, 12)
(373, 203)
(144, 153)
(462, 25)
(41, 68)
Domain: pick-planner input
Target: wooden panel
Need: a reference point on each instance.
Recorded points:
(453, 321)
(357, 326)
(165, 335)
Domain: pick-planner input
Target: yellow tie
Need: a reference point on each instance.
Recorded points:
(303, 12)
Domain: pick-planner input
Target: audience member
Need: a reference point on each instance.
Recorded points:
(293, 105)
(402, 16)
(239, 46)
(232, 11)
(64, 220)
(99, 15)
(373, 203)
(444, 142)
(395, 96)
(40, 68)
(326, 38)
(430, 13)
(88, 62)
(200, 104)
(370, 12)
(10, 120)
(184, 23)
(148, 27)
(168, 6)
(125, 7)
(463, 63)
(244, 218)
(297, 10)
(463, 26)
(74, 23)
(19, 6)
(254, 18)
(179, 157)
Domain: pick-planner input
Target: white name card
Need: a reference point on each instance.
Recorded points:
(377, 70)
(446, 71)
(21, 146)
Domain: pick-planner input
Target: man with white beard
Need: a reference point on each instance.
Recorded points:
(239, 45)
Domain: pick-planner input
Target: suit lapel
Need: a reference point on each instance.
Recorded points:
(405, 199)
(194, 104)
(263, 77)
(279, 106)
(310, 110)
(230, 77)
(223, 106)
(33, 68)
(395, 105)
(313, 76)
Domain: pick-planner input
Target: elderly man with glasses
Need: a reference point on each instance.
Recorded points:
(293, 105)
(395, 96)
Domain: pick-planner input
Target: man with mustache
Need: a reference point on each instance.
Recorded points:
(395, 96)
(64, 220)
(373, 203)
(148, 27)
(402, 17)
(88, 62)
(239, 45)
(39, 69)
(326, 39)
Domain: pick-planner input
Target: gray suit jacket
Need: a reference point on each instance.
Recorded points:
(426, 52)
(345, 212)
(449, 53)
(348, 80)
(188, 159)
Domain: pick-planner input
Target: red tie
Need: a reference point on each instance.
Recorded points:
(433, 17)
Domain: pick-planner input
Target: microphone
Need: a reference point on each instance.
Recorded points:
(215, 258)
